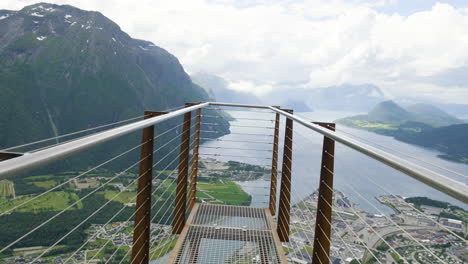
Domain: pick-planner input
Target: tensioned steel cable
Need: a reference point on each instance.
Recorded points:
(123, 207)
(295, 191)
(396, 225)
(422, 213)
(217, 124)
(71, 134)
(378, 234)
(394, 150)
(234, 133)
(153, 204)
(90, 170)
(238, 118)
(409, 205)
(82, 131)
(337, 213)
(76, 202)
(137, 224)
(151, 219)
(342, 161)
(239, 141)
(267, 150)
(139, 237)
(369, 226)
(71, 206)
(70, 180)
(242, 111)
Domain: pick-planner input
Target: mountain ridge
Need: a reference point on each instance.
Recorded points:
(420, 124)
(64, 69)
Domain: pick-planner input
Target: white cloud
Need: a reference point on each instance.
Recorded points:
(249, 87)
(259, 45)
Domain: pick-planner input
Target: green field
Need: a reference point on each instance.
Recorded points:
(122, 197)
(163, 247)
(6, 189)
(368, 125)
(225, 192)
(53, 201)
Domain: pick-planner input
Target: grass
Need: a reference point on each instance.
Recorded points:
(365, 124)
(6, 188)
(45, 184)
(229, 192)
(287, 250)
(395, 256)
(164, 246)
(53, 201)
(122, 197)
(307, 249)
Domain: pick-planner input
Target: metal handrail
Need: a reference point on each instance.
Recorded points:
(40, 158)
(453, 188)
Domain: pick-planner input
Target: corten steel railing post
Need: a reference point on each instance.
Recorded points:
(285, 188)
(194, 172)
(141, 234)
(180, 207)
(322, 237)
(274, 167)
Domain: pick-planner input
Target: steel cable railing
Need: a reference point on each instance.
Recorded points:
(91, 170)
(383, 147)
(415, 240)
(342, 162)
(140, 191)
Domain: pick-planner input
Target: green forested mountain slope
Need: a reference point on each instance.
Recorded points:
(64, 69)
(419, 124)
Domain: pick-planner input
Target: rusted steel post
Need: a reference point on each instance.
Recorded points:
(274, 167)
(142, 223)
(180, 204)
(194, 172)
(321, 253)
(285, 188)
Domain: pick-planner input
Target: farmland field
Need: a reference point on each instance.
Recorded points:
(53, 201)
(6, 189)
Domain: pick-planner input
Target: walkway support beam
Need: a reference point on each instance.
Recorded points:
(142, 223)
(285, 188)
(180, 203)
(323, 227)
(274, 167)
(194, 171)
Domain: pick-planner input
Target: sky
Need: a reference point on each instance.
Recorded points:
(409, 48)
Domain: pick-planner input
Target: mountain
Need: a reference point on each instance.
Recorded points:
(431, 115)
(357, 98)
(296, 105)
(64, 69)
(391, 114)
(451, 140)
(218, 90)
(419, 124)
(388, 112)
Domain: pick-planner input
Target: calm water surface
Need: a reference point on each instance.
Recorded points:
(355, 174)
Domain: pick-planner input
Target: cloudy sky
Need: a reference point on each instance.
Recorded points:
(406, 47)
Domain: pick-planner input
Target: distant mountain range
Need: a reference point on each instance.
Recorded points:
(64, 69)
(419, 124)
(218, 90)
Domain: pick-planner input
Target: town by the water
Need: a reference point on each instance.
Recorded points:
(416, 225)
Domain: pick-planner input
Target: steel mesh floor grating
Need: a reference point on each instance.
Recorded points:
(228, 234)
(231, 216)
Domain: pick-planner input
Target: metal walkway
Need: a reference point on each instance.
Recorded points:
(228, 234)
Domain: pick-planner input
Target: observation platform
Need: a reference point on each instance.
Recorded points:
(228, 234)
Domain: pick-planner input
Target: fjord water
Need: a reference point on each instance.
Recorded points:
(354, 172)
